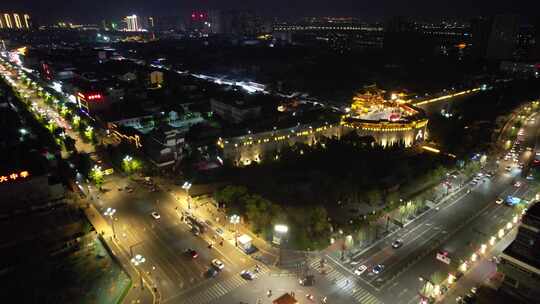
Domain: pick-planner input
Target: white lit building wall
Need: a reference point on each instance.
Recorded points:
(132, 23)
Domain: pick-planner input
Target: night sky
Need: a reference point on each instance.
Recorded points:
(95, 10)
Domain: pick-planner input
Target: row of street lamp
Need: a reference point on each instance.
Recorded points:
(430, 289)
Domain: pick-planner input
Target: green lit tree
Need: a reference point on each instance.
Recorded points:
(97, 176)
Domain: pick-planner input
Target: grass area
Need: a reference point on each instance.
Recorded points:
(86, 276)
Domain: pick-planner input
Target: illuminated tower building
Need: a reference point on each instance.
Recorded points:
(17, 19)
(14, 21)
(494, 38)
(7, 18)
(27, 20)
(132, 23)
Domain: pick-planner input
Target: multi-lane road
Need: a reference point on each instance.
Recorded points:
(176, 276)
(458, 226)
(163, 241)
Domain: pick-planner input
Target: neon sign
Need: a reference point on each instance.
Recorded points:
(14, 176)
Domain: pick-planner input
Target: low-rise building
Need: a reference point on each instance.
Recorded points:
(521, 69)
(236, 111)
(286, 298)
(164, 145)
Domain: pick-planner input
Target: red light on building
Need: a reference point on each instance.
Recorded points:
(94, 96)
(47, 74)
(90, 96)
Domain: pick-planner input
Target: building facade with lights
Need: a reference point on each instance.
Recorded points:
(389, 122)
(15, 21)
(132, 23)
(257, 147)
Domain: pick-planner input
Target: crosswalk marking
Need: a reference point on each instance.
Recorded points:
(361, 295)
(221, 288)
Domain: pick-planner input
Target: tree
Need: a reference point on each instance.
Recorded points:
(362, 234)
(97, 176)
(69, 143)
(131, 165)
(437, 277)
(232, 197)
(374, 196)
(392, 199)
(319, 221)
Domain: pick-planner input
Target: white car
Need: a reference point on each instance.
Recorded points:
(218, 264)
(361, 269)
(499, 201)
(156, 215)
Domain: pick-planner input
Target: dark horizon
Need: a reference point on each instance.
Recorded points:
(94, 11)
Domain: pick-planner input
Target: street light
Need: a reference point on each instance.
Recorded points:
(109, 213)
(483, 248)
(138, 260)
(235, 219)
(501, 233)
(280, 231)
(126, 162)
(186, 186)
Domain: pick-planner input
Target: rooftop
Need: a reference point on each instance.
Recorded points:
(285, 299)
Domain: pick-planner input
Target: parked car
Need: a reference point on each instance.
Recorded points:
(360, 270)
(378, 269)
(212, 272)
(192, 253)
(246, 274)
(397, 243)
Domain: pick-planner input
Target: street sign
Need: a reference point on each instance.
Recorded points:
(443, 257)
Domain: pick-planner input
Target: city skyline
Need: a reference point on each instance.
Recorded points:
(78, 11)
(269, 152)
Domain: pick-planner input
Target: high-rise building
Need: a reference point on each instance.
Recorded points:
(495, 37)
(167, 23)
(132, 23)
(14, 21)
(536, 49)
(520, 261)
(7, 19)
(199, 23)
(402, 37)
(241, 23)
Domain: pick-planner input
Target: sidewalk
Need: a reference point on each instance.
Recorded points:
(135, 294)
(208, 211)
(481, 273)
(217, 218)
